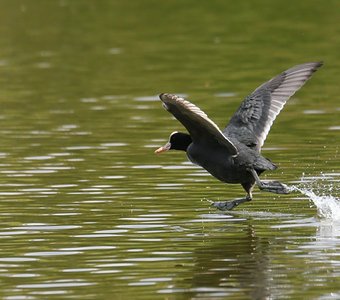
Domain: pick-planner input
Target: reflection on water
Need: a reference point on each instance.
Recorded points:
(88, 211)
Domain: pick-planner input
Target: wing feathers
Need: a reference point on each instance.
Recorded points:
(253, 119)
(200, 127)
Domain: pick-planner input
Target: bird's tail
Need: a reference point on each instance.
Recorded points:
(263, 164)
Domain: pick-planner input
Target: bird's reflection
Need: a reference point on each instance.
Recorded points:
(238, 262)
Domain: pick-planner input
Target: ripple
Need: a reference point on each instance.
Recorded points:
(59, 154)
(141, 107)
(40, 132)
(115, 51)
(46, 53)
(66, 185)
(115, 265)
(334, 128)
(43, 65)
(225, 94)
(147, 167)
(94, 235)
(10, 193)
(79, 270)
(45, 227)
(84, 147)
(263, 214)
(171, 252)
(39, 171)
(86, 248)
(22, 275)
(17, 259)
(140, 283)
(273, 148)
(43, 157)
(180, 167)
(151, 146)
(114, 144)
(66, 214)
(168, 186)
(67, 127)
(151, 259)
(3, 62)
(113, 97)
(112, 231)
(147, 98)
(200, 173)
(215, 216)
(75, 159)
(51, 292)
(11, 233)
(156, 215)
(106, 271)
(55, 284)
(313, 111)
(89, 100)
(61, 111)
(113, 177)
(52, 253)
(98, 107)
(143, 219)
(141, 226)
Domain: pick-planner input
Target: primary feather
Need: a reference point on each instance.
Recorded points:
(252, 121)
(196, 121)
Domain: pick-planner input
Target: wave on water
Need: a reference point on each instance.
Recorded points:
(323, 191)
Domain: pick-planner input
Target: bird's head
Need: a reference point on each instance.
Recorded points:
(177, 141)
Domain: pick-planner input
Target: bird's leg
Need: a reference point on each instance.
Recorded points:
(229, 205)
(270, 186)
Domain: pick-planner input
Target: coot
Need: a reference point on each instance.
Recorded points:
(232, 155)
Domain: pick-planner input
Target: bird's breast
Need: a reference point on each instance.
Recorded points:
(216, 161)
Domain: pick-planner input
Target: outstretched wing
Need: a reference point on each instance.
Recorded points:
(252, 121)
(200, 127)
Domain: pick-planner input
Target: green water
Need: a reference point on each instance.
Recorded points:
(87, 211)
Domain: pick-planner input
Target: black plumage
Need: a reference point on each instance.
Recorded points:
(233, 155)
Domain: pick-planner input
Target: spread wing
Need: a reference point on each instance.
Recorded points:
(252, 121)
(200, 127)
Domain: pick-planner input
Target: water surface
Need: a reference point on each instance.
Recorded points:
(88, 211)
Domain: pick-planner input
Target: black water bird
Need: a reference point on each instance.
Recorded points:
(232, 155)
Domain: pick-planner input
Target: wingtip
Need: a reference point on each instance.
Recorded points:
(318, 64)
(169, 97)
(309, 67)
(315, 65)
(165, 96)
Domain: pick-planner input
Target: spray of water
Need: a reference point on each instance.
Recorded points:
(323, 192)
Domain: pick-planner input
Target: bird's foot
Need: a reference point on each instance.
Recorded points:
(229, 205)
(274, 187)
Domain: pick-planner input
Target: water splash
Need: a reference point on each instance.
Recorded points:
(323, 192)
